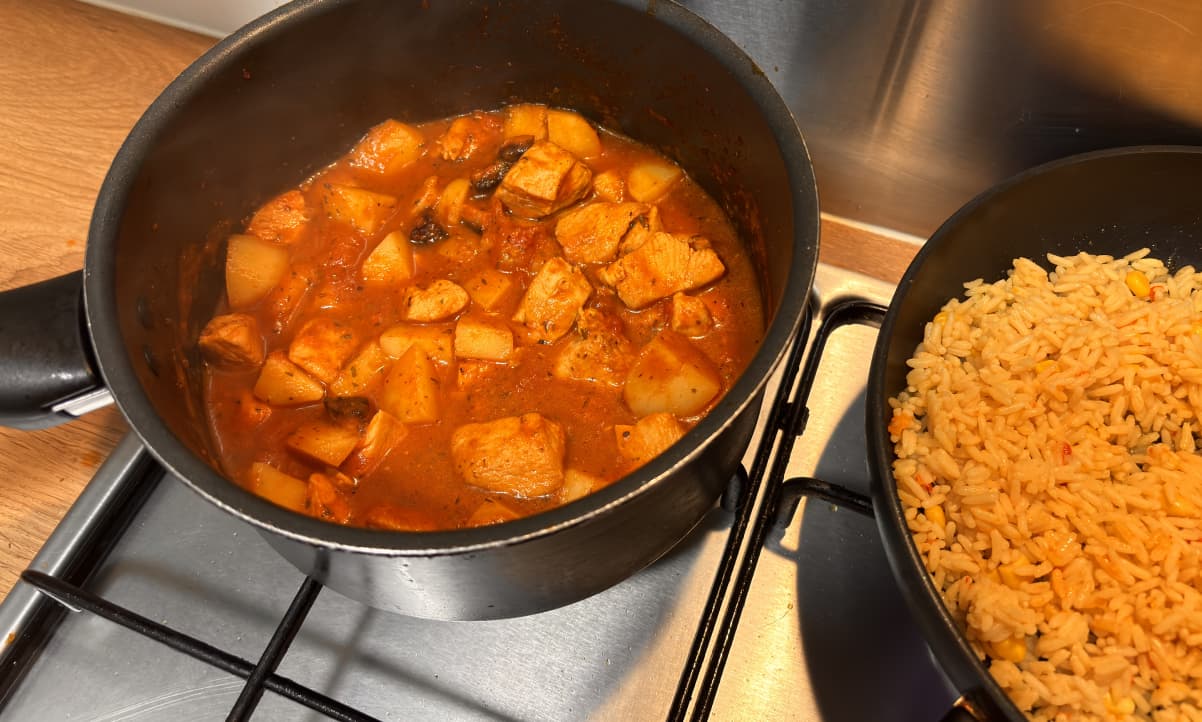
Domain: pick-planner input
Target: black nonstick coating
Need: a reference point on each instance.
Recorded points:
(1110, 202)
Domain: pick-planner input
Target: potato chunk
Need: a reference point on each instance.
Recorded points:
(277, 487)
(383, 433)
(577, 484)
(650, 436)
(545, 179)
(365, 211)
(651, 181)
(600, 353)
(591, 233)
(326, 499)
(324, 442)
(609, 186)
(665, 264)
(252, 268)
(436, 302)
(690, 315)
(388, 147)
(283, 383)
(281, 220)
(450, 202)
(391, 261)
(573, 133)
(435, 341)
(554, 297)
(362, 373)
(481, 338)
(397, 518)
(492, 511)
(411, 389)
(322, 346)
(671, 375)
(525, 119)
(517, 455)
(489, 288)
(232, 340)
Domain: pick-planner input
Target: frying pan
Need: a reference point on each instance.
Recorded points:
(1108, 202)
(288, 94)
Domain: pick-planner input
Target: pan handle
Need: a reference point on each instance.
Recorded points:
(47, 373)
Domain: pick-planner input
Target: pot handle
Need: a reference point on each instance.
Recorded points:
(47, 374)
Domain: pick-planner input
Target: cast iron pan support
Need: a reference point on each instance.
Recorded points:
(784, 502)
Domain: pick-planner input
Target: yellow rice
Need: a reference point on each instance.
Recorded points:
(1048, 465)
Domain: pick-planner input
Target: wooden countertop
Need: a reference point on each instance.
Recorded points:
(75, 78)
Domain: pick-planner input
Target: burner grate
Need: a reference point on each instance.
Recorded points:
(759, 499)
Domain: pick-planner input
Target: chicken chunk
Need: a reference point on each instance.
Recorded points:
(469, 372)
(518, 455)
(600, 353)
(665, 264)
(642, 228)
(671, 375)
(591, 233)
(322, 346)
(285, 300)
(609, 186)
(650, 436)
(281, 220)
(556, 294)
(545, 179)
(232, 341)
(690, 315)
(326, 500)
(388, 148)
(436, 302)
(463, 138)
(383, 433)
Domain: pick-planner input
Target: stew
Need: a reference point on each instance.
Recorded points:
(471, 320)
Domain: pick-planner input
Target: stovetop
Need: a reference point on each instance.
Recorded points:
(824, 634)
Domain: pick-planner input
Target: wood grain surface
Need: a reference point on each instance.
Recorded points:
(73, 80)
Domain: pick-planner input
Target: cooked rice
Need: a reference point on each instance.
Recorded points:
(1048, 464)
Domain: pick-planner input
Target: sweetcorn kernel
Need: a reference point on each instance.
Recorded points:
(1013, 649)
(1138, 283)
(936, 515)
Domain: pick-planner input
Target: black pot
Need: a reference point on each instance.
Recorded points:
(286, 95)
(1110, 202)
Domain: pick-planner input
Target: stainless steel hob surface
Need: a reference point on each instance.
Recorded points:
(824, 635)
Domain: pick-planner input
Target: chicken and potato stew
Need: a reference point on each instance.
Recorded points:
(472, 320)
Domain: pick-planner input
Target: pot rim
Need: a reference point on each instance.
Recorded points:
(119, 375)
(925, 601)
